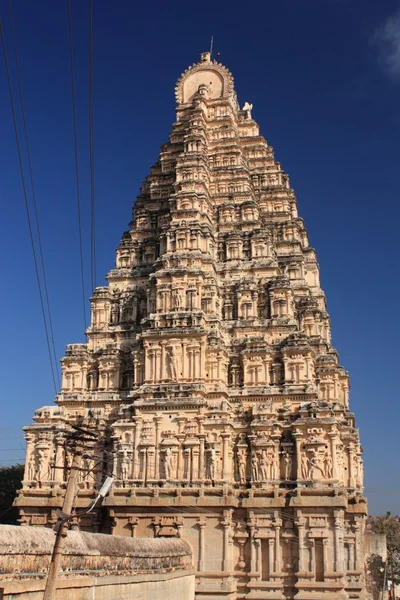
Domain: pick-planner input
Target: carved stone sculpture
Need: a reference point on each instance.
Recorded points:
(225, 407)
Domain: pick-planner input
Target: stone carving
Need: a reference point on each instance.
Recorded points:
(32, 467)
(210, 358)
(173, 363)
(254, 467)
(287, 465)
(305, 466)
(167, 463)
(212, 464)
(327, 465)
(242, 465)
(263, 467)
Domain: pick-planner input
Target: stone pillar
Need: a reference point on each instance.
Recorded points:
(136, 455)
(184, 361)
(270, 556)
(162, 367)
(225, 457)
(257, 544)
(191, 365)
(334, 439)
(325, 550)
(226, 561)
(252, 550)
(202, 359)
(59, 458)
(351, 566)
(298, 437)
(29, 472)
(202, 545)
(300, 528)
(338, 542)
(312, 542)
(147, 366)
(277, 527)
(201, 456)
(352, 482)
(157, 420)
(158, 365)
(197, 354)
(195, 463)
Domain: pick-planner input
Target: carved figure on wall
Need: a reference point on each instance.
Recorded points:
(42, 467)
(114, 314)
(271, 466)
(212, 463)
(263, 468)
(242, 466)
(287, 465)
(125, 464)
(167, 463)
(254, 467)
(340, 462)
(315, 470)
(327, 465)
(173, 363)
(305, 466)
(176, 299)
(31, 467)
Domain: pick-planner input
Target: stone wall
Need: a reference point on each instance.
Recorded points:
(94, 566)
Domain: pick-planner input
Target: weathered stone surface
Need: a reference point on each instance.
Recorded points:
(28, 549)
(209, 376)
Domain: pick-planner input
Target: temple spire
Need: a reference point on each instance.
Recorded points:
(209, 373)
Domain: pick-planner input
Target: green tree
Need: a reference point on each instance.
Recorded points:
(10, 483)
(390, 525)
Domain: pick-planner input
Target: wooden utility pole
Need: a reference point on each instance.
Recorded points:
(70, 492)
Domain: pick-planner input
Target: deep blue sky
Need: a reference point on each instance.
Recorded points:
(324, 79)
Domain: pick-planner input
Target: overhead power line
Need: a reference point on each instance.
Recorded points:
(91, 151)
(39, 237)
(27, 205)
(78, 196)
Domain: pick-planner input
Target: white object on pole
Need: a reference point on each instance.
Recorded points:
(105, 488)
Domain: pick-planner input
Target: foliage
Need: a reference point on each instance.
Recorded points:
(389, 525)
(10, 483)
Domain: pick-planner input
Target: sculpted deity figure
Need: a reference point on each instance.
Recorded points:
(32, 467)
(42, 467)
(287, 465)
(254, 467)
(172, 361)
(339, 462)
(176, 298)
(305, 466)
(271, 465)
(125, 464)
(315, 470)
(327, 465)
(167, 463)
(263, 468)
(242, 466)
(212, 463)
(114, 315)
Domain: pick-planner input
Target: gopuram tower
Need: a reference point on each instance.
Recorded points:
(209, 384)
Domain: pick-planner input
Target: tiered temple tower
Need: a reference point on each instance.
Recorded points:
(209, 377)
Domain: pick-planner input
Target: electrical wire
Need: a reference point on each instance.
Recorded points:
(78, 196)
(39, 237)
(91, 152)
(27, 206)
